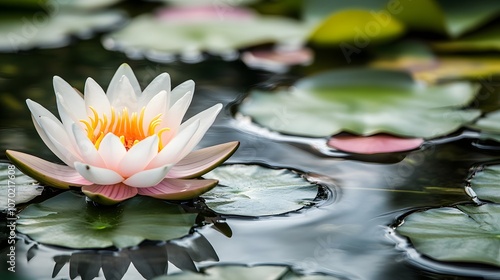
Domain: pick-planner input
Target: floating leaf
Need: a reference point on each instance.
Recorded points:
(364, 102)
(16, 186)
(229, 272)
(489, 126)
(188, 31)
(357, 27)
(486, 183)
(417, 58)
(375, 144)
(54, 6)
(453, 18)
(463, 234)
(254, 190)
(486, 39)
(21, 33)
(317, 10)
(68, 220)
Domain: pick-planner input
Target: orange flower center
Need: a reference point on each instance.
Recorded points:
(130, 128)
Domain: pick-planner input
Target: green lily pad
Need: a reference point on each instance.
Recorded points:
(254, 190)
(365, 102)
(489, 126)
(466, 233)
(486, 183)
(229, 272)
(15, 187)
(317, 10)
(26, 31)
(189, 31)
(486, 39)
(68, 220)
(54, 6)
(453, 18)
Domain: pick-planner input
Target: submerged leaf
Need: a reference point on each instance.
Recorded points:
(364, 102)
(461, 234)
(68, 220)
(254, 190)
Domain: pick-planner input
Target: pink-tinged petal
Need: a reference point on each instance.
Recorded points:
(123, 96)
(179, 189)
(112, 151)
(124, 70)
(109, 194)
(72, 98)
(51, 174)
(179, 91)
(37, 112)
(96, 98)
(157, 106)
(138, 157)
(98, 175)
(174, 116)
(170, 154)
(202, 161)
(58, 137)
(161, 82)
(86, 148)
(206, 118)
(148, 178)
(374, 144)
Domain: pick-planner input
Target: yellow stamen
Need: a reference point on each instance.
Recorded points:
(129, 127)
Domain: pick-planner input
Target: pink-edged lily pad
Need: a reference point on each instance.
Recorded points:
(278, 59)
(203, 13)
(375, 144)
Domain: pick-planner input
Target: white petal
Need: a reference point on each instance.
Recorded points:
(68, 119)
(112, 151)
(87, 149)
(72, 98)
(206, 118)
(123, 96)
(157, 105)
(139, 156)
(179, 91)
(123, 70)
(170, 154)
(174, 116)
(161, 82)
(96, 98)
(38, 112)
(60, 140)
(98, 175)
(148, 178)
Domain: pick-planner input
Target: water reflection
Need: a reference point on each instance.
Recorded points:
(146, 261)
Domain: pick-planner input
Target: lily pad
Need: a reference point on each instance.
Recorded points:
(365, 102)
(453, 18)
(68, 220)
(489, 126)
(486, 39)
(486, 183)
(375, 144)
(254, 190)
(22, 32)
(15, 187)
(465, 233)
(229, 272)
(189, 31)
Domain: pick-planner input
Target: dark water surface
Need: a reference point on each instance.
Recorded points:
(346, 236)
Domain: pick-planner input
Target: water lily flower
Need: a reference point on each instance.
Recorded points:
(126, 141)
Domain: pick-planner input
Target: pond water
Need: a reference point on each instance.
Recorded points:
(346, 236)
